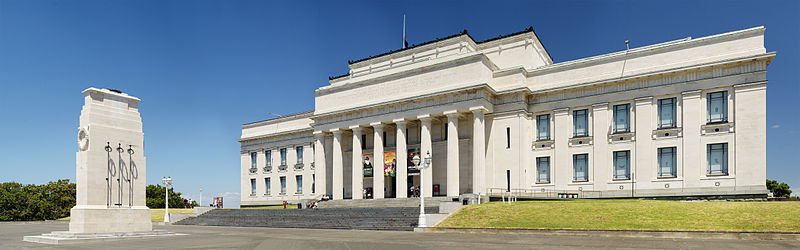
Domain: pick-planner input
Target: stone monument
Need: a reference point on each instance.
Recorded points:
(110, 172)
(111, 168)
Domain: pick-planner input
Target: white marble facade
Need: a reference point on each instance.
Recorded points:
(683, 118)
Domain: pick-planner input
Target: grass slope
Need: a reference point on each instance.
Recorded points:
(631, 215)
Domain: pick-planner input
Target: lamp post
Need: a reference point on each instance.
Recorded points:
(167, 182)
(421, 166)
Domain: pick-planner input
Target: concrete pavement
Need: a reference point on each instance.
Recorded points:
(205, 237)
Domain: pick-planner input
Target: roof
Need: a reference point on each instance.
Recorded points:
(464, 32)
(282, 117)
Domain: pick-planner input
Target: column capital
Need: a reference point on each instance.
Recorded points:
(336, 131)
(356, 128)
(479, 109)
(400, 121)
(319, 133)
(425, 117)
(377, 125)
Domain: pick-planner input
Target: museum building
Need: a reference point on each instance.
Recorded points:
(684, 118)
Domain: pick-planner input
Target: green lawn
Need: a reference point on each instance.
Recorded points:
(157, 214)
(632, 215)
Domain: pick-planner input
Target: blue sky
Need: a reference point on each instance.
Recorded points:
(203, 68)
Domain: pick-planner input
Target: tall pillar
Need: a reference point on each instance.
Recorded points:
(402, 159)
(478, 151)
(320, 169)
(452, 154)
(358, 165)
(425, 148)
(377, 171)
(338, 173)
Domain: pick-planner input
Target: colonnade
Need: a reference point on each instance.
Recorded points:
(400, 126)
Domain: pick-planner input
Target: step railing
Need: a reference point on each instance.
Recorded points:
(543, 193)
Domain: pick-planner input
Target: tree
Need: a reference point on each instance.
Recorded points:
(155, 197)
(778, 190)
(51, 201)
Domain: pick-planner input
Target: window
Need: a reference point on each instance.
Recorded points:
(268, 155)
(313, 183)
(718, 107)
(580, 167)
(580, 122)
(718, 159)
(622, 165)
(299, 179)
(253, 156)
(363, 141)
(299, 150)
(621, 121)
(283, 184)
(384, 139)
(508, 137)
(543, 170)
(252, 186)
(283, 156)
(666, 113)
(666, 162)
(268, 183)
(446, 126)
(543, 127)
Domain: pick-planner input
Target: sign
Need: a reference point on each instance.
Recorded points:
(368, 169)
(412, 169)
(389, 163)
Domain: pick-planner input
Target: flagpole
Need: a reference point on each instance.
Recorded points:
(404, 32)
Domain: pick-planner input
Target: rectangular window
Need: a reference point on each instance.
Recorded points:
(543, 127)
(299, 179)
(508, 137)
(580, 167)
(666, 113)
(543, 170)
(268, 184)
(622, 165)
(363, 141)
(718, 107)
(384, 139)
(253, 156)
(580, 121)
(283, 156)
(718, 159)
(283, 184)
(313, 183)
(667, 159)
(253, 186)
(299, 150)
(268, 155)
(621, 121)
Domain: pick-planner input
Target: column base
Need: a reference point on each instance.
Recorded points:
(100, 219)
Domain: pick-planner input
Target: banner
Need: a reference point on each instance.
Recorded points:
(389, 163)
(368, 169)
(412, 169)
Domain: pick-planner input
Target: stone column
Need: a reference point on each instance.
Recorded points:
(478, 151)
(358, 165)
(402, 159)
(452, 154)
(338, 173)
(425, 148)
(319, 163)
(377, 163)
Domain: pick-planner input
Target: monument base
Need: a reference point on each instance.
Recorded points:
(94, 219)
(63, 237)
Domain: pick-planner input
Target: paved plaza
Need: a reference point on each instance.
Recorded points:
(203, 237)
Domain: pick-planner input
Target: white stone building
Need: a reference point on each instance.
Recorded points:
(679, 118)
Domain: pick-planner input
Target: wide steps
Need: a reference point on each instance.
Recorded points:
(399, 218)
(385, 203)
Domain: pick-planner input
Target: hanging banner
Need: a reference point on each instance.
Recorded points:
(412, 170)
(389, 163)
(368, 169)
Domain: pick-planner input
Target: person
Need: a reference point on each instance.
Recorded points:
(284, 204)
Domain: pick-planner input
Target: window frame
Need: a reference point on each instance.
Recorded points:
(674, 119)
(723, 100)
(299, 153)
(626, 154)
(267, 184)
(253, 186)
(283, 156)
(268, 157)
(709, 151)
(627, 108)
(543, 121)
(585, 176)
(673, 173)
(508, 137)
(585, 123)
(253, 160)
(299, 181)
(539, 163)
(283, 184)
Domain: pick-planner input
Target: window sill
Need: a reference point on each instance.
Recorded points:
(267, 194)
(620, 181)
(666, 179)
(252, 195)
(717, 177)
(665, 133)
(580, 183)
(542, 183)
(543, 145)
(717, 128)
(580, 141)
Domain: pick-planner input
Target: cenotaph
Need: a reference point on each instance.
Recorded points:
(111, 172)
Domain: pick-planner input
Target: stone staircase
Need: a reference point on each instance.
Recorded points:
(362, 218)
(388, 202)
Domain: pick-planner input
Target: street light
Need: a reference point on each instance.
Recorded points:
(167, 182)
(422, 222)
